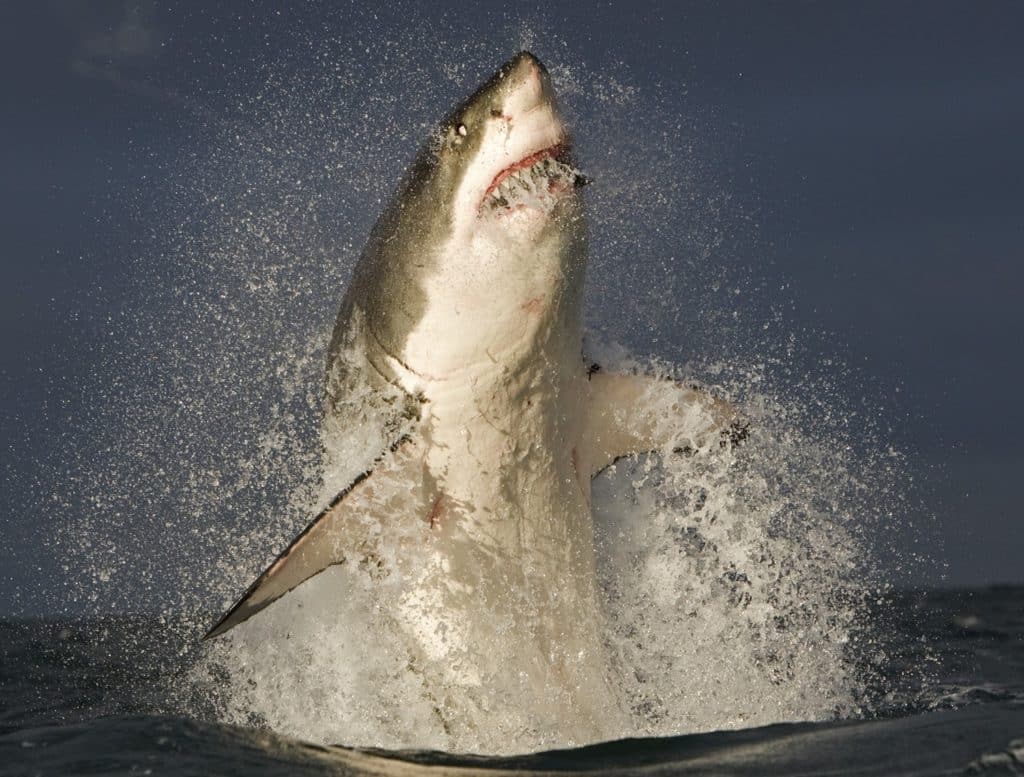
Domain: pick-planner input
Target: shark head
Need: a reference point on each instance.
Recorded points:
(487, 226)
(503, 155)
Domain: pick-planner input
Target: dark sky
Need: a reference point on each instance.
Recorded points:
(879, 143)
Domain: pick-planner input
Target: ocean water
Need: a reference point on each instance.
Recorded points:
(92, 697)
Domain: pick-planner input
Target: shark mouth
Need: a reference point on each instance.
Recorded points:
(536, 181)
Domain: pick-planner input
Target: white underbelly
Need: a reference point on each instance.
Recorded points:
(504, 595)
(508, 578)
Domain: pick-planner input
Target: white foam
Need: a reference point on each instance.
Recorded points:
(731, 600)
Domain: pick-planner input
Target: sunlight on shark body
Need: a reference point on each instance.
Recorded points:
(718, 590)
(459, 347)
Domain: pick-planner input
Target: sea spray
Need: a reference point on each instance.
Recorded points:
(732, 591)
(733, 582)
(733, 579)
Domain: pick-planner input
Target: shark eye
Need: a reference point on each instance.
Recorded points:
(461, 129)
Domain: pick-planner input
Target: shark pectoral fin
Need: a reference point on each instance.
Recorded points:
(630, 414)
(345, 531)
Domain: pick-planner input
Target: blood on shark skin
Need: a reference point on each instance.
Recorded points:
(459, 342)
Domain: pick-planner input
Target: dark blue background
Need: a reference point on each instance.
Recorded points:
(882, 142)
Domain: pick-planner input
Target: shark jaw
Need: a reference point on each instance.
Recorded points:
(516, 150)
(537, 183)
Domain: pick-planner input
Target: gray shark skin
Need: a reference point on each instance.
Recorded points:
(458, 347)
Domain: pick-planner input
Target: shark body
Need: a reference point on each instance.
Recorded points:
(459, 343)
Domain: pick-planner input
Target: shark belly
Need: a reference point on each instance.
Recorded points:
(506, 601)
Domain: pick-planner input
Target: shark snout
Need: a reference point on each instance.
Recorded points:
(527, 66)
(528, 83)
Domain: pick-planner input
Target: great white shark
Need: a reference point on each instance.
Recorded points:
(459, 344)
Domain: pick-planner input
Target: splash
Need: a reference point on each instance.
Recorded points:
(734, 582)
(732, 590)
